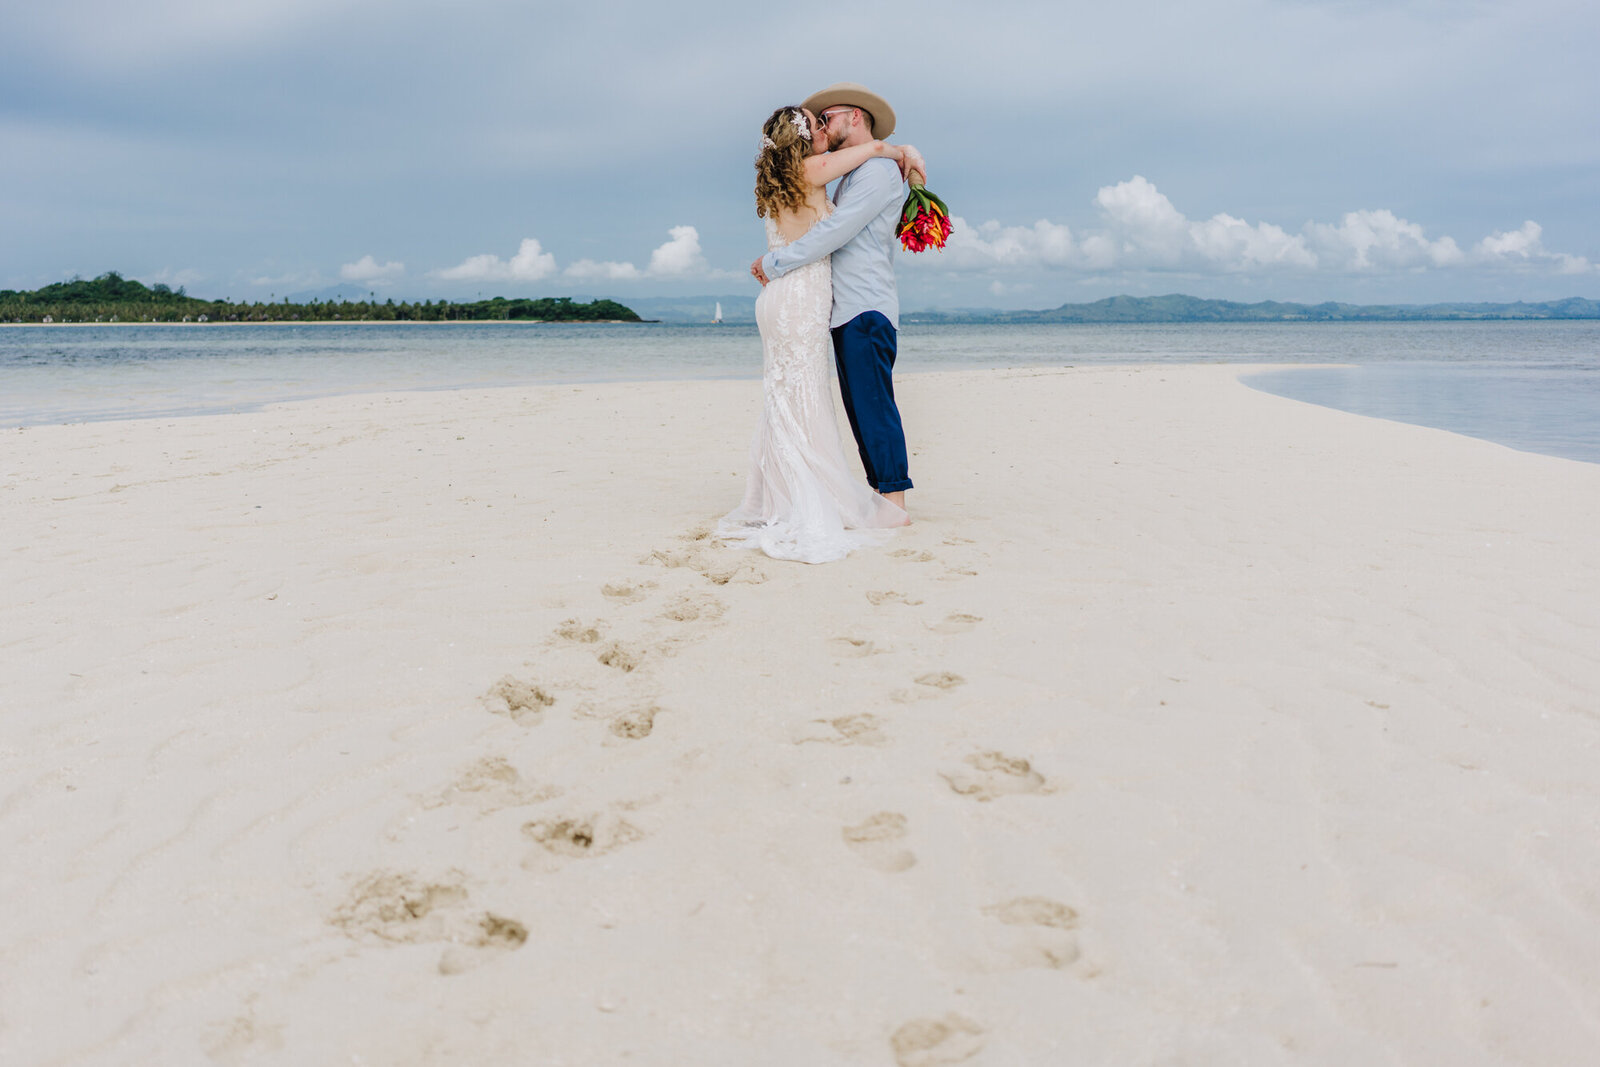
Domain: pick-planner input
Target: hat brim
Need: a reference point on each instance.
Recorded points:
(853, 95)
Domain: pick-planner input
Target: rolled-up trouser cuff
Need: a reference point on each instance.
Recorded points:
(893, 487)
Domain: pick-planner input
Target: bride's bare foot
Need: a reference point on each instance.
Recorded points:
(898, 499)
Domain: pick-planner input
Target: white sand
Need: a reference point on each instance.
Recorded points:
(1188, 725)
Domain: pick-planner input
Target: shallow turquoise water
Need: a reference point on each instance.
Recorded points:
(1553, 410)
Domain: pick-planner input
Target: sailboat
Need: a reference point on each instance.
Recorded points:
(717, 318)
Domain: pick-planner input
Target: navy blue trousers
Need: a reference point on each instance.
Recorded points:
(864, 350)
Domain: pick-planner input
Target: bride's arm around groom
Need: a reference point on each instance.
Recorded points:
(871, 189)
(865, 194)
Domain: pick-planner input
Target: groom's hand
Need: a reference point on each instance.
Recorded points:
(759, 274)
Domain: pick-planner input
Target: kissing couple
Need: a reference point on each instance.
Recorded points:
(829, 268)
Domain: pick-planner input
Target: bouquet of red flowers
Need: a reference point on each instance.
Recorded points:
(924, 221)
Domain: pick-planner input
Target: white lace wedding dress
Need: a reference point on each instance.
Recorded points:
(802, 500)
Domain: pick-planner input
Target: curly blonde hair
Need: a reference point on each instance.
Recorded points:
(780, 166)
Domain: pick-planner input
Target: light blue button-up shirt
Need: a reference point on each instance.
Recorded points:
(860, 236)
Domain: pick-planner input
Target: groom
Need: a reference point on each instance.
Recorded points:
(860, 235)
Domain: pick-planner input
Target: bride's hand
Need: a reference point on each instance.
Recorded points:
(912, 164)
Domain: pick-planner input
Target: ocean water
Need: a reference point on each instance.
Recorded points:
(1553, 410)
(1530, 385)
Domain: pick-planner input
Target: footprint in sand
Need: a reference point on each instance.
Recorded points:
(744, 573)
(692, 558)
(951, 1038)
(583, 835)
(694, 607)
(853, 647)
(862, 729)
(889, 596)
(621, 657)
(583, 633)
(994, 774)
(956, 623)
(928, 686)
(959, 541)
(490, 785)
(955, 574)
(494, 934)
(717, 572)
(940, 680)
(912, 555)
(878, 841)
(635, 724)
(404, 909)
(626, 592)
(521, 701)
(401, 908)
(1039, 932)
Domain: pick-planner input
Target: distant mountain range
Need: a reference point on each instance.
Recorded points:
(1179, 308)
(740, 309)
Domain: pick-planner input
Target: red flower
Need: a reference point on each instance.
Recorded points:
(924, 221)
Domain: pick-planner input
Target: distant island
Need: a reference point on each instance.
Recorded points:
(1178, 308)
(113, 298)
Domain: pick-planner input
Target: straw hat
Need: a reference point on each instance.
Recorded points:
(853, 95)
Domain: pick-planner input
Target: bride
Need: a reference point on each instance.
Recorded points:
(801, 500)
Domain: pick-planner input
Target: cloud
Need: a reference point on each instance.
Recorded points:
(1044, 244)
(1146, 230)
(1143, 230)
(1525, 247)
(367, 269)
(1238, 245)
(530, 264)
(1364, 240)
(679, 256)
(1519, 244)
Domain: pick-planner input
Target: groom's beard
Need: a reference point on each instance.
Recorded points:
(837, 139)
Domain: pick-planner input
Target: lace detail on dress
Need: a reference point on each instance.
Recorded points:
(802, 500)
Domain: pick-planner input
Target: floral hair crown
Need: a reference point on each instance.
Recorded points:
(801, 128)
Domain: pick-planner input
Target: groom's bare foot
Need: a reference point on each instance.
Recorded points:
(898, 499)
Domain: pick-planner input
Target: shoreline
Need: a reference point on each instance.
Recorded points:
(432, 725)
(367, 322)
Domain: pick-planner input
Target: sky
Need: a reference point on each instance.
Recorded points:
(1304, 150)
